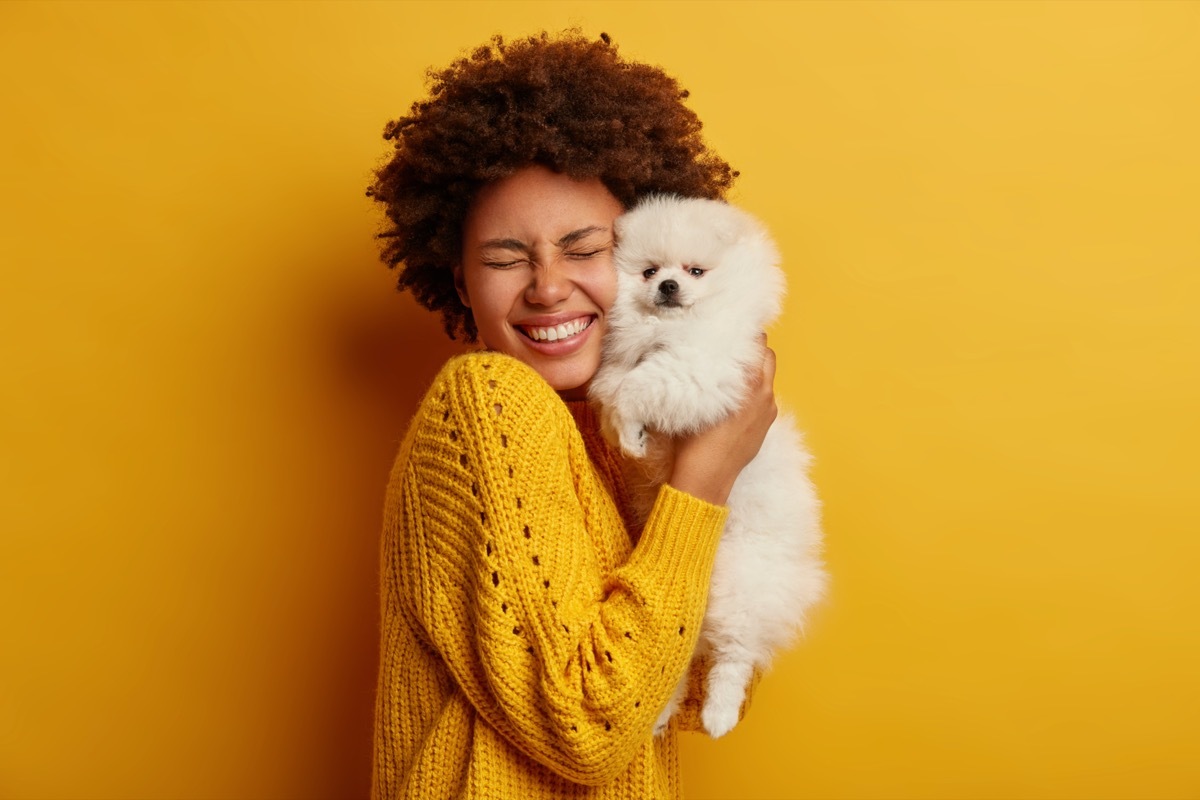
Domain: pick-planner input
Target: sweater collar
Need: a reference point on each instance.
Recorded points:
(585, 418)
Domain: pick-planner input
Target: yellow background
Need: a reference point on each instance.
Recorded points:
(990, 215)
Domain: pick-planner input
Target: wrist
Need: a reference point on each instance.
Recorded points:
(709, 488)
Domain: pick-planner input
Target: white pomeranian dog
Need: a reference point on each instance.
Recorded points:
(698, 283)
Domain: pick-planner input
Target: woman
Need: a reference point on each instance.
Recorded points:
(531, 636)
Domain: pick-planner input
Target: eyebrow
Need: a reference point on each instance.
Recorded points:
(566, 241)
(575, 236)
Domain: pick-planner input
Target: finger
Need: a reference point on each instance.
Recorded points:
(769, 365)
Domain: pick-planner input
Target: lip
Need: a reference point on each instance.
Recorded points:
(562, 347)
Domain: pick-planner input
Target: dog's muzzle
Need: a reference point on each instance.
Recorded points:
(667, 295)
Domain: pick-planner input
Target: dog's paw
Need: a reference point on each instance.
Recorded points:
(719, 717)
(725, 691)
(633, 438)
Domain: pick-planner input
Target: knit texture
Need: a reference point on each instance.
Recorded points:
(529, 641)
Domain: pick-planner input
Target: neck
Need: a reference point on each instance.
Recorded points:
(573, 395)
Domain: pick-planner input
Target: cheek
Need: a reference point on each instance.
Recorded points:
(603, 287)
(491, 298)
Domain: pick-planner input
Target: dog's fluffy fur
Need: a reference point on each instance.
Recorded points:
(698, 281)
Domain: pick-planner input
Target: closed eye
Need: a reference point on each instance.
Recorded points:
(584, 254)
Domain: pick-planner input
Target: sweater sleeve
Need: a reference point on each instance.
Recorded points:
(502, 574)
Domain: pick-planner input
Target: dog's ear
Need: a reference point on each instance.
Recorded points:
(727, 232)
(729, 228)
(721, 221)
(618, 229)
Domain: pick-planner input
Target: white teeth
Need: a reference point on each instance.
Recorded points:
(563, 331)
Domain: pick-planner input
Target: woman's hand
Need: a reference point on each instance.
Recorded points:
(707, 463)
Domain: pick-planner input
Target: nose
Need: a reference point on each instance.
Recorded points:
(548, 286)
(668, 288)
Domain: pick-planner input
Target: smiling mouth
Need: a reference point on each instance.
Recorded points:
(556, 333)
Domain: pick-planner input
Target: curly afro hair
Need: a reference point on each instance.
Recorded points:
(565, 102)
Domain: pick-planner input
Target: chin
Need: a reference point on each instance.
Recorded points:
(698, 282)
(566, 364)
(569, 380)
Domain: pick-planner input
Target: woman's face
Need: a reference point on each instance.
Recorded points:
(537, 272)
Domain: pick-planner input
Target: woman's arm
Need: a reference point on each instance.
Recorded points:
(496, 535)
(707, 463)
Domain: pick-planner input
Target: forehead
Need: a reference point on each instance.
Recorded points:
(535, 203)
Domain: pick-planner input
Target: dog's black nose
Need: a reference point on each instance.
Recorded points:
(668, 288)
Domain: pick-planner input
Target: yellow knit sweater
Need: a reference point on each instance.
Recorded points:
(528, 644)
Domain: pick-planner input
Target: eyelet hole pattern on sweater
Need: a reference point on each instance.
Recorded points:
(483, 500)
(476, 492)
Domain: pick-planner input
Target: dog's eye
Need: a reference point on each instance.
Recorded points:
(649, 273)
(695, 272)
